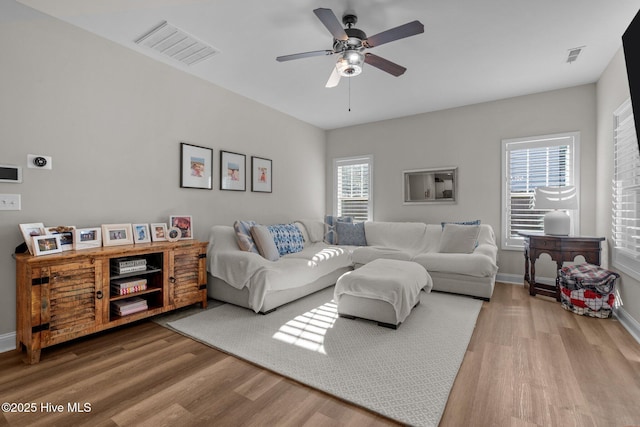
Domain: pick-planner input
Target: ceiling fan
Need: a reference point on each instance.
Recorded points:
(350, 43)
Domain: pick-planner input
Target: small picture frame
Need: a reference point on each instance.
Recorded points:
(159, 232)
(184, 223)
(141, 233)
(196, 166)
(261, 174)
(46, 244)
(117, 234)
(233, 171)
(173, 234)
(87, 238)
(30, 230)
(66, 233)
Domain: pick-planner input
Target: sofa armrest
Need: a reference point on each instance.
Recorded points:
(487, 249)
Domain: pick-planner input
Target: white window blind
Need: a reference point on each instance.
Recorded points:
(626, 193)
(352, 187)
(528, 163)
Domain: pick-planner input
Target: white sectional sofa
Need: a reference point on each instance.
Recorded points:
(249, 280)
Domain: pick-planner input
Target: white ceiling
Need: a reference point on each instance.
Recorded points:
(471, 51)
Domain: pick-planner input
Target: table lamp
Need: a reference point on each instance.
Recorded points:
(557, 221)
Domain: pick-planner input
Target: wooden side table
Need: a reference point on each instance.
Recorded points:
(560, 249)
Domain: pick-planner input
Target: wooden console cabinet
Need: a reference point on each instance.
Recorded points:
(68, 295)
(561, 249)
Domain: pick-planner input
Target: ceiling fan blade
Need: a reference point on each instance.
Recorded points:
(334, 78)
(407, 30)
(304, 55)
(384, 64)
(330, 21)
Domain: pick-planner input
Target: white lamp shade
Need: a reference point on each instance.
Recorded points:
(558, 198)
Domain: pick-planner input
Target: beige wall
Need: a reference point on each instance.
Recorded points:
(469, 138)
(612, 91)
(113, 121)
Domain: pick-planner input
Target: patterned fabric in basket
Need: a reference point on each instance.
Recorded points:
(587, 289)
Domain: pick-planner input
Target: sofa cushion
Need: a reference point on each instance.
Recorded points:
(366, 254)
(264, 242)
(243, 235)
(314, 228)
(350, 233)
(287, 237)
(459, 239)
(330, 222)
(410, 237)
(472, 222)
(475, 264)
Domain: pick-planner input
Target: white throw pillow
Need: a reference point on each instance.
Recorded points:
(459, 239)
(264, 241)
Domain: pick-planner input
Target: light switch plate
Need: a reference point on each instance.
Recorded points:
(10, 202)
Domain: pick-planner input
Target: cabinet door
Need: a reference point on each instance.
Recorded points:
(70, 300)
(187, 276)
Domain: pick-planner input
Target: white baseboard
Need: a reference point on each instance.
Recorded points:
(7, 342)
(518, 279)
(629, 323)
(512, 279)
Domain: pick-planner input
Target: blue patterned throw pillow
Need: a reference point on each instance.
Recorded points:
(330, 222)
(287, 237)
(351, 234)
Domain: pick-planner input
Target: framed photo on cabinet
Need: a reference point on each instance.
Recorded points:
(86, 238)
(232, 171)
(261, 174)
(117, 234)
(47, 244)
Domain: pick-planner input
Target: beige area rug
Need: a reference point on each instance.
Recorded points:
(404, 374)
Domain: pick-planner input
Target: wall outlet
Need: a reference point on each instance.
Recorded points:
(10, 202)
(37, 161)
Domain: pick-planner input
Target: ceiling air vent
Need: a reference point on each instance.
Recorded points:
(573, 54)
(176, 44)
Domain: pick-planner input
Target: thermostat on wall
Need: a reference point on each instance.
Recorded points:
(10, 173)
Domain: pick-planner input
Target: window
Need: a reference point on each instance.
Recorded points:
(625, 225)
(352, 187)
(528, 163)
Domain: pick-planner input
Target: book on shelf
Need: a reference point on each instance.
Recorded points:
(131, 269)
(115, 290)
(128, 283)
(129, 306)
(129, 262)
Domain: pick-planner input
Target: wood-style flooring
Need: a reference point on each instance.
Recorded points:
(529, 363)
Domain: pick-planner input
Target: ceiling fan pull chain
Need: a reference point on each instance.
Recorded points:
(349, 94)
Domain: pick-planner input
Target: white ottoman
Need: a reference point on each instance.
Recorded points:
(384, 290)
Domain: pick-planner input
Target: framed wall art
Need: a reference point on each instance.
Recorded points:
(261, 174)
(141, 233)
(159, 232)
(117, 234)
(30, 230)
(196, 166)
(184, 223)
(47, 244)
(86, 238)
(232, 171)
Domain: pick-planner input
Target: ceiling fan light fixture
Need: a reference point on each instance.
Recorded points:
(350, 63)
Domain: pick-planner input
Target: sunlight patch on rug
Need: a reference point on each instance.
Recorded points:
(309, 329)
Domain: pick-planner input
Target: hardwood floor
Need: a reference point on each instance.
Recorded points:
(529, 363)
